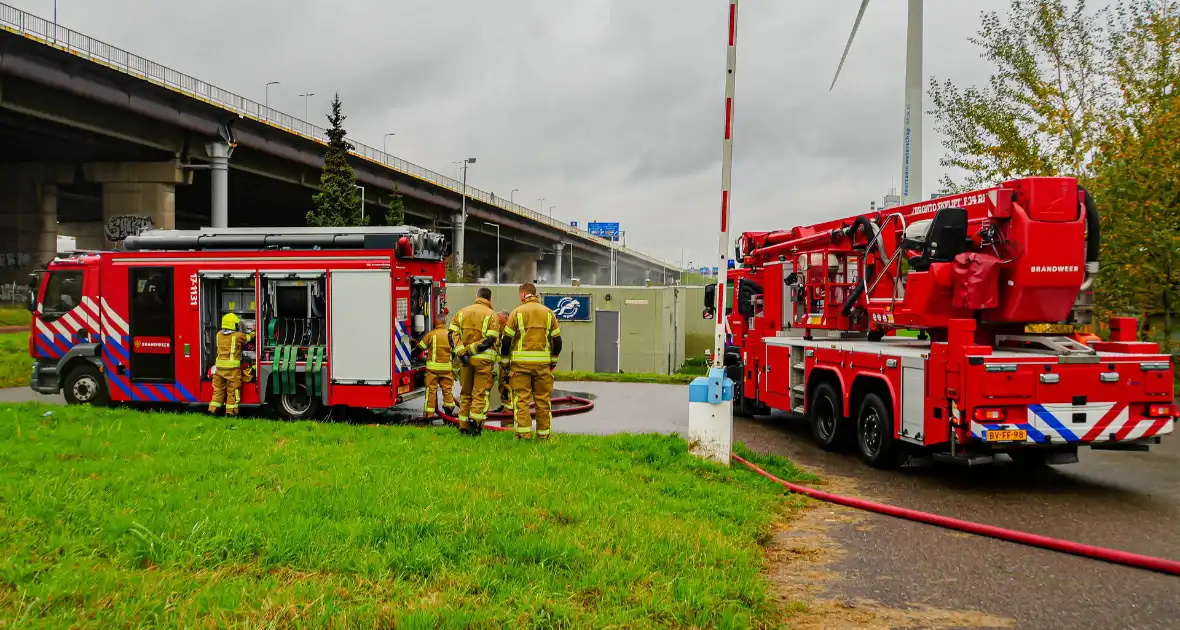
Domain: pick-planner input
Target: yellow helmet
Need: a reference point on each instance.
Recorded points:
(230, 321)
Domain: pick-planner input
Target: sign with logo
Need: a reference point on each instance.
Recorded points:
(570, 308)
(608, 231)
(573, 224)
(152, 345)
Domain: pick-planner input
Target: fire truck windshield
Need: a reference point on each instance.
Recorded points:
(63, 291)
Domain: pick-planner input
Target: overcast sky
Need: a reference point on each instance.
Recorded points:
(610, 109)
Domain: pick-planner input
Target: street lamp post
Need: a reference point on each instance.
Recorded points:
(512, 195)
(385, 143)
(267, 101)
(551, 211)
(55, 21)
(305, 96)
(462, 222)
(540, 205)
(497, 281)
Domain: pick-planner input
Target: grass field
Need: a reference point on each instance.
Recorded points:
(117, 518)
(15, 364)
(14, 316)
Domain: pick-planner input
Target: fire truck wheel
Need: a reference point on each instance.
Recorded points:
(298, 406)
(874, 433)
(84, 385)
(827, 417)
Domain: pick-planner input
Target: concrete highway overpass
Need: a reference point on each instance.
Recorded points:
(95, 142)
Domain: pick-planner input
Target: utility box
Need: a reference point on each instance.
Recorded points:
(606, 329)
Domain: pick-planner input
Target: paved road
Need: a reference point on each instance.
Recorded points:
(1127, 501)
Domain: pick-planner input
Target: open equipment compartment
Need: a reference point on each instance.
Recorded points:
(294, 333)
(224, 292)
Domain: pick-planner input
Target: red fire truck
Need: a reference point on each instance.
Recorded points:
(904, 331)
(335, 311)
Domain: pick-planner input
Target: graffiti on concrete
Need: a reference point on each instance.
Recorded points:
(13, 260)
(13, 293)
(122, 226)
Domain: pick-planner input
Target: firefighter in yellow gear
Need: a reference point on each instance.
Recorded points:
(503, 371)
(532, 342)
(474, 333)
(227, 369)
(436, 345)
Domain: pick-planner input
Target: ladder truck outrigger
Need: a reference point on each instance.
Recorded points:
(825, 315)
(336, 312)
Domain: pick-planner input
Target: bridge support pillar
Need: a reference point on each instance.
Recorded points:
(522, 266)
(28, 217)
(557, 248)
(137, 196)
(219, 182)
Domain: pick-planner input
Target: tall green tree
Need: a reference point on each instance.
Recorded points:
(1090, 94)
(338, 204)
(396, 214)
(1138, 176)
(1042, 109)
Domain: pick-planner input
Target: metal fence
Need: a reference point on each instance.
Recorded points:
(46, 32)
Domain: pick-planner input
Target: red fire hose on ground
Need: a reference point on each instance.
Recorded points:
(1056, 544)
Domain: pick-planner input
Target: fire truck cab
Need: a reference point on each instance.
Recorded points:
(336, 312)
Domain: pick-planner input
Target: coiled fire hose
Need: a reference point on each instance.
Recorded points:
(1161, 565)
(562, 406)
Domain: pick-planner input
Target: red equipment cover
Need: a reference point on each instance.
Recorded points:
(975, 283)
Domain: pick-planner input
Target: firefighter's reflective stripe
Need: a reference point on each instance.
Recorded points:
(433, 363)
(231, 362)
(520, 355)
(490, 353)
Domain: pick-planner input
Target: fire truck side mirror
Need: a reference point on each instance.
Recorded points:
(34, 284)
(711, 296)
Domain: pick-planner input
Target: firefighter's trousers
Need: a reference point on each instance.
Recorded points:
(475, 381)
(532, 383)
(227, 390)
(434, 382)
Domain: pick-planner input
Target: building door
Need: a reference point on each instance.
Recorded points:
(606, 341)
(152, 325)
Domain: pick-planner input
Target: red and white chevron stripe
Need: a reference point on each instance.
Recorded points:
(112, 324)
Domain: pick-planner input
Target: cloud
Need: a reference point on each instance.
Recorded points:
(610, 109)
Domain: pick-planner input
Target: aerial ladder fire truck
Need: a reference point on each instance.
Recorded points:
(903, 332)
(336, 311)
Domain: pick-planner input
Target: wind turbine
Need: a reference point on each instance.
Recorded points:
(911, 160)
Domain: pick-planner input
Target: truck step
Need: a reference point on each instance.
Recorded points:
(963, 460)
(797, 366)
(1116, 446)
(798, 410)
(798, 389)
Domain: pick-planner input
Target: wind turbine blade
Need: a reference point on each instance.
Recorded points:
(855, 25)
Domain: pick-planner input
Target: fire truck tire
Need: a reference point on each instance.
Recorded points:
(85, 385)
(828, 423)
(875, 443)
(298, 406)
